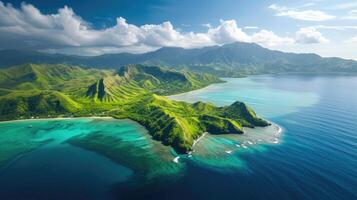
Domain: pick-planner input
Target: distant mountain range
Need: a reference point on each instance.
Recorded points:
(234, 59)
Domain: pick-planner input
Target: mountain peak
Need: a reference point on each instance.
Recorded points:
(233, 60)
(242, 45)
(168, 48)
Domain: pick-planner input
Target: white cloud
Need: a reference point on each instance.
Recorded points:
(66, 32)
(309, 35)
(251, 27)
(306, 15)
(227, 32)
(336, 27)
(28, 26)
(208, 25)
(268, 38)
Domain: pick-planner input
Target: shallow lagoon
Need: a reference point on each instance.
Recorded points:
(263, 93)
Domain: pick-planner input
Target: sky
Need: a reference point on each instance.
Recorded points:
(325, 27)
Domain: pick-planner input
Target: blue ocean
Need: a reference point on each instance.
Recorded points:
(315, 156)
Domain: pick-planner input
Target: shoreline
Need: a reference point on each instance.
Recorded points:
(57, 118)
(198, 89)
(198, 139)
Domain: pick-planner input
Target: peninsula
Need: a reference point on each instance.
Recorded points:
(136, 92)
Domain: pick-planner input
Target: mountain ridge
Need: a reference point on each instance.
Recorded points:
(235, 59)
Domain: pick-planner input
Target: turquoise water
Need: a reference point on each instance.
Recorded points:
(261, 92)
(38, 162)
(314, 158)
(317, 155)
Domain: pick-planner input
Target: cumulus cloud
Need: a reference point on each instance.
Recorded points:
(309, 35)
(66, 32)
(268, 38)
(306, 15)
(227, 32)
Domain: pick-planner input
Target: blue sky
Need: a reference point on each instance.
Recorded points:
(326, 27)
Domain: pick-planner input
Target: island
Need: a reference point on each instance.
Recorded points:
(136, 92)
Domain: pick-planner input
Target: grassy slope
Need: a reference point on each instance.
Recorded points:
(179, 123)
(131, 92)
(43, 90)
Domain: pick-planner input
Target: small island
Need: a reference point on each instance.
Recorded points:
(136, 92)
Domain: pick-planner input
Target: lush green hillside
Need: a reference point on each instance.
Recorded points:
(178, 123)
(230, 60)
(129, 92)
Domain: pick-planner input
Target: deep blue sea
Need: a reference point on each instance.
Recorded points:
(316, 157)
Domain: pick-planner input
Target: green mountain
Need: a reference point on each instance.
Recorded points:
(132, 91)
(236, 59)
